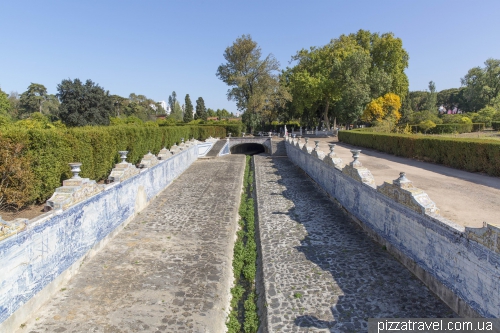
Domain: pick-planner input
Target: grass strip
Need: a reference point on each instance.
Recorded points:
(243, 317)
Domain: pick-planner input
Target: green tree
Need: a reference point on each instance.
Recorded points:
(83, 104)
(33, 98)
(210, 113)
(201, 111)
(431, 98)
(4, 104)
(171, 100)
(188, 111)
(482, 85)
(176, 113)
(254, 81)
(15, 110)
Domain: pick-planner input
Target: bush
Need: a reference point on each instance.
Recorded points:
(495, 125)
(47, 152)
(477, 127)
(444, 129)
(474, 155)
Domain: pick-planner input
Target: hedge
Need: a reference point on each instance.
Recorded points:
(495, 125)
(474, 155)
(478, 127)
(47, 152)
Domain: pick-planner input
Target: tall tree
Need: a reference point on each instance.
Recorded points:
(83, 104)
(33, 98)
(432, 98)
(254, 81)
(188, 112)
(201, 111)
(171, 100)
(176, 113)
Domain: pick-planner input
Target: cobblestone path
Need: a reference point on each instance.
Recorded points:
(169, 270)
(321, 273)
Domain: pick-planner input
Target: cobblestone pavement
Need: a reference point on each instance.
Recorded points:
(322, 273)
(169, 270)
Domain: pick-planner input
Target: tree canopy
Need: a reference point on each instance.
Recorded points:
(188, 109)
(201, 111)
(32, 99)
(83, 104)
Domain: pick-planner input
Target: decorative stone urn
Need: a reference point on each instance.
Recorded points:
(123, 170)
(357, 171)
(123, 155)
(332, 158)
(75, 169)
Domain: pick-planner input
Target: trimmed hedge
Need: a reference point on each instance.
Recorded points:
(47, 152)
(474, 155)
(495, 125)
(478, 127)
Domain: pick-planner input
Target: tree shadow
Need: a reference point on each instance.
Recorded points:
(363, 280)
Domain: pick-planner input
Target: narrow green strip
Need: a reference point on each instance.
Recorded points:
(243, 317)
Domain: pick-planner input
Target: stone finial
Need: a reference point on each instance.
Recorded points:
(357, 171)
(306, 148)
(404, 192)
(74, 190)
(316, 145)
(307, 140)
(123, 155)
(332, 158)
(175, 149)
(123, 170)
(149, 160)
(10, 228)
(182, 140)
(316, 152)
(164, 154)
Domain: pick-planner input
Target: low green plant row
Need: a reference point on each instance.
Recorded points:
(474, 155)
(450, 128)
(243, 316)
(45, 154)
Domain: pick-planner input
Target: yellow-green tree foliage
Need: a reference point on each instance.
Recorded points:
(384, 107)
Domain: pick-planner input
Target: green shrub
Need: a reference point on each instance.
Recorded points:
(474, 155)
(477, 127)
(444, 129)
(50, 150)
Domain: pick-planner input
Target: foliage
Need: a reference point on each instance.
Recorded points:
(495, 125)
(443, 128)
(16, 180)
(83, 104)
(201, 111)
(482, 85)
(385, 107)
(426, 125)
(4, 104)
(418, 117)
(244, 264)
(255, 86)
(188, 112)
(50, 150)
(32, 99)
(172, 99)
(474, 155)
(176, 113)
(432, 97)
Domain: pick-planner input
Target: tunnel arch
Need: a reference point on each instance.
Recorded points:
(249, 148)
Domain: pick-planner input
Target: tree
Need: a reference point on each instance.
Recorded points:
(4, 104)
(432, 97)
(201, 111)
(33, 98)
(254, 81)
(210, 113)
(188, 112)
(83, 104)
(171, 100)
(482, 85)
(386, 107)
(176, 113)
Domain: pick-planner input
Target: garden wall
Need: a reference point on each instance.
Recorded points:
(41, 254)
(460, 265)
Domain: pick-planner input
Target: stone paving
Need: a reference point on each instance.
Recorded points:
(322, 273)
(169, 270)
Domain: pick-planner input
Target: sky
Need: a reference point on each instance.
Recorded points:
(153, 47)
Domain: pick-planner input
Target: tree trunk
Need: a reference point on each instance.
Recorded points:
(325, 116)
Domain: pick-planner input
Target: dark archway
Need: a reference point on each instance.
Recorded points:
(248, 149)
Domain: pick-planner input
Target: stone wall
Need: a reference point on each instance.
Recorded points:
(460, 265)
(38, 256)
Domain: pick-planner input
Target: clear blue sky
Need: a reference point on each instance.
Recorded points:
(154, 47)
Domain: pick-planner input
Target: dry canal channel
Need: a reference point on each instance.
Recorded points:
(170, 270)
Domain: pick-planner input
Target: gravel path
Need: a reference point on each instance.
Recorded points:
(321, 273)
(169, 270)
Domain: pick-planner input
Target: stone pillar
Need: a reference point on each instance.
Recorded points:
(404, 192)
(149, 160)
(123, 170)
(357, 171)
(74, 190)
(332, 158)
(164, 154)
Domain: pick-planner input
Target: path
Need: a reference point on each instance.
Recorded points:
(321, 272)
(169, 270)
(463, 197)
